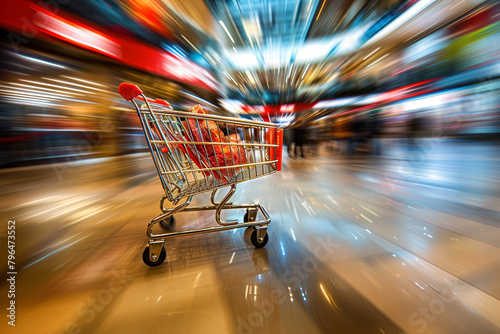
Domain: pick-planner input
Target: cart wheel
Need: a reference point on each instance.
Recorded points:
(168, 222)
(161, 258)
(255, 242)
(245, 217)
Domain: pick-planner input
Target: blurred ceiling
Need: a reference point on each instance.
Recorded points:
(271, 52)
(290, 51)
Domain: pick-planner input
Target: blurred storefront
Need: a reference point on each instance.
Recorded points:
(59, 79)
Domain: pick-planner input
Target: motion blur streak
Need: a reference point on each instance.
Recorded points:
(385, 216)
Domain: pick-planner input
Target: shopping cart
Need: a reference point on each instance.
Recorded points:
(195, 153)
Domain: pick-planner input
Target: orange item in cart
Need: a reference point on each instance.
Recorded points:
(213, 156)
(242, 154)
(225, 159)
(200, 162)
(205, 131)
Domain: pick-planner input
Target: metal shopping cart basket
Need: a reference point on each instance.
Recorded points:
(195, 152)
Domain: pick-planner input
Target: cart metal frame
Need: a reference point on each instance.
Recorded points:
(184, 167)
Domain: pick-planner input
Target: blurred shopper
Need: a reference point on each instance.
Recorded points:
(414, 130)
(342, 132)
(360, 133)
(288, 139)
(299, 139)
(376, 132)
(314, 138)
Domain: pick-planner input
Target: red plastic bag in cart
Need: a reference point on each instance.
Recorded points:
(224, 159)
(219, 155)
(242, 155)
(205, 131)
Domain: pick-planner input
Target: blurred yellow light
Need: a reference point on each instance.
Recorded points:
(45, 89)
(74, 84)
(56, 86)
(86, 81)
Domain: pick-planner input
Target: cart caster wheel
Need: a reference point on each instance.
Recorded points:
(256, 243)
(246, 217)
(168, 222)
(157, 262)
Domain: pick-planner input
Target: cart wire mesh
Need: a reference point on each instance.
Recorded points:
(197, 152)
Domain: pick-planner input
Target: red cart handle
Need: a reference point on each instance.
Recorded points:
(129, 91)
(157, 101)
(150, 100)
(163, 102)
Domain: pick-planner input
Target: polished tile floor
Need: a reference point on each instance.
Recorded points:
(400, 243)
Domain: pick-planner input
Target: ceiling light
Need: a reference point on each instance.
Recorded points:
(227, 31)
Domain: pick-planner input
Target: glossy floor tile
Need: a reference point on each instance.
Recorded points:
(357, 244)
